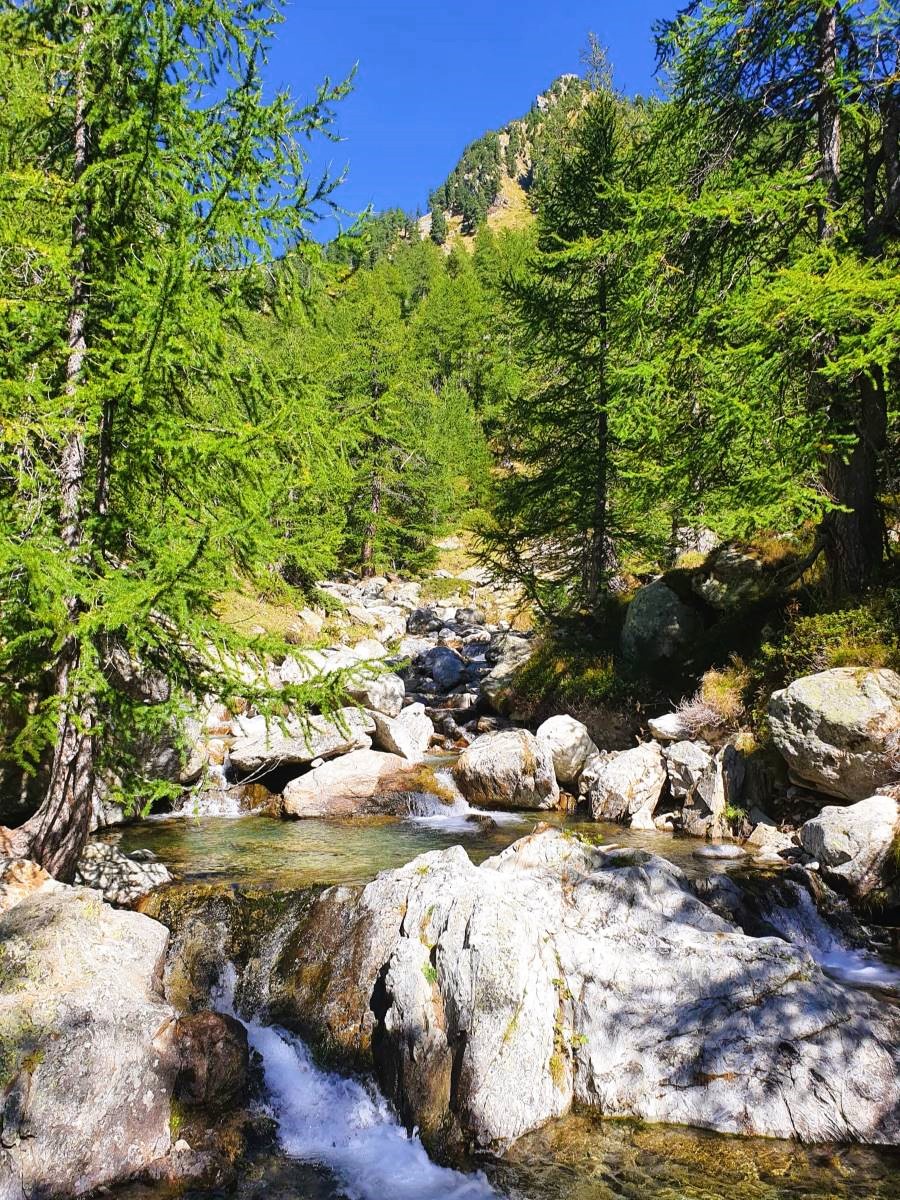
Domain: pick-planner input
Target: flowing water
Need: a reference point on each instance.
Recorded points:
(337, 1138)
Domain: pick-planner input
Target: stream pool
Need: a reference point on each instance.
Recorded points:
(337, 1139)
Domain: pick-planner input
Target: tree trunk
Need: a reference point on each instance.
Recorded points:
(854, 539)
(368, 546)
(56, 834)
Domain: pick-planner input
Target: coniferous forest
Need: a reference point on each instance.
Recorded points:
(634, 380)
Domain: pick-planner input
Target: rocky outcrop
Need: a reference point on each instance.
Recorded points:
(87, 1044)
(836, 730)
(408, 734)
(626, 785)
(120, 878)
(658, 626)
(570, 746)
(269, 744)
(507, 769)
(492, 998)
(855, 843)
(350, 785)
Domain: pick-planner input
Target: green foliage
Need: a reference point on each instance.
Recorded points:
(438, 223)
(864, 634)
(141, 454)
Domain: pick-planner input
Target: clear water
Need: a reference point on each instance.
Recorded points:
(337, 1138)
(258, 849)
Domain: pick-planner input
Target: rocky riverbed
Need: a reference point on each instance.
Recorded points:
(516, 939)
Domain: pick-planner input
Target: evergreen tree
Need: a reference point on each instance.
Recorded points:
(143, 175)
(438, 222)
(783, 253)
(562, 510)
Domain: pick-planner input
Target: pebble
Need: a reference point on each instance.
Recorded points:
(720, 850)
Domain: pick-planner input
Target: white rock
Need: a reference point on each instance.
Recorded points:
(381, 693)
(120, 878)
(624, 784)
(346, 786)
(508, 769)
(853, 842)
(300, 742)
(570, 745)
(408, 734)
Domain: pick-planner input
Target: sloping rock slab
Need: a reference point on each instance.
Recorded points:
(87, 1044)
(353, 784)
(492, 998)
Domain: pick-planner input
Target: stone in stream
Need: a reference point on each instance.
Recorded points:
(355, 783)
(854, 842)
(491, 999)
(507, 769)
(626, 785)
(444, 666)
(408, 734)
(570, 745)
(120, 878)
(87, 1044)
(268, 745)
(839, 730)
(381, 693)
(214, 1061)
(720, 851)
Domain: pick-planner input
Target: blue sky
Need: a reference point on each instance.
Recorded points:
(432, 77)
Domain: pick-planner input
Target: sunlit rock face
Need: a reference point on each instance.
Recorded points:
(491, 998)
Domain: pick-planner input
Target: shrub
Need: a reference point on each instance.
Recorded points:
(866, 634)
(719, 705)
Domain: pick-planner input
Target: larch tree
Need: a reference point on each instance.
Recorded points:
(782, 253)
(143, 172)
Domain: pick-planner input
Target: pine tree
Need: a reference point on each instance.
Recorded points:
(144, 175)
(561, 512)
(438, 223)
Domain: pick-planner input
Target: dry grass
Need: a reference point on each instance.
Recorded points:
(718, 707)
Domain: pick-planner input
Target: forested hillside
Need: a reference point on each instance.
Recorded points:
(694, 340)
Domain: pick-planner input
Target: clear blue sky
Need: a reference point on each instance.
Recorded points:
(432, 77)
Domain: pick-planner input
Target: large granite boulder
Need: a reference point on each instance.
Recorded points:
(507, 769)
(508, 653)
(570, 745)
(265, 745)
(854, 843)
(626, 785)
(444, 665)
(88, 1050)
(658, 627)
(353, 784)
(214, 1061)
(838, 730)
(493, 998)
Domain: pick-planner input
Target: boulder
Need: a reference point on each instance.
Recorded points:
(214, 1061)
(444, 666)
(708, 783)
(731, 578)
(121, 878)
(853, 844)
(408, 734)
(507, 769)
(352, 784)
(87, 1044)
(469, 616)
(423, 620)
(670, 727)
(569, 744)
(491, 999)
(266, 745)
(836, 730)
(658, 626)
(626, 785)
(381, 693)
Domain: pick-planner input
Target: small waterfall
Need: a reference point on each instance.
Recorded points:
(791, 910)
(456, 814)
(336, 1122)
